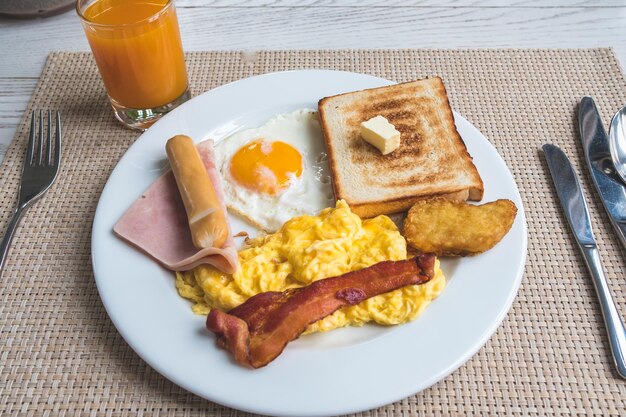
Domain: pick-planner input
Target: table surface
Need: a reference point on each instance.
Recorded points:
(334, 24)
(61, 354)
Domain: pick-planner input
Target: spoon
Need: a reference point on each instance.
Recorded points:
(617, 142)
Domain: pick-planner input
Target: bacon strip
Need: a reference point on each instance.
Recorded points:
(257, 331)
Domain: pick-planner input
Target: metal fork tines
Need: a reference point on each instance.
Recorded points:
(41, 165)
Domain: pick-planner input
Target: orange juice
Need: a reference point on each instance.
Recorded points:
(136, 44)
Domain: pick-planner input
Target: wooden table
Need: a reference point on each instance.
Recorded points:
(312, 24)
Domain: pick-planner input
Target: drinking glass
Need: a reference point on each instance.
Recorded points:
(137, 47)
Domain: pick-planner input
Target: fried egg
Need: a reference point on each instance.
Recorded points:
(276, 171)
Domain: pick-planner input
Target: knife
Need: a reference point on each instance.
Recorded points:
(572, 200)
(598, 155)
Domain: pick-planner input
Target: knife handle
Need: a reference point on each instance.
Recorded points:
(612, 321)
(620, 228)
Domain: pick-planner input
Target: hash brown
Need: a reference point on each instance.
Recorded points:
(453, 228)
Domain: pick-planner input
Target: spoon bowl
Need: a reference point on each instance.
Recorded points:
(617, 142)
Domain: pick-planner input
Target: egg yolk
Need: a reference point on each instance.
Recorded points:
(266, 167)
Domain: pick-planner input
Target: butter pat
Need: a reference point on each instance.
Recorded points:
(378, 132)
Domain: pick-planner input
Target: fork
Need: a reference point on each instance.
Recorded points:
(41, 166)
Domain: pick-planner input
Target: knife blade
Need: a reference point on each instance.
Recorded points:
(570, 194)
(598, 156)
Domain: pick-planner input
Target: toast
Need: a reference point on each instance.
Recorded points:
(432, 159)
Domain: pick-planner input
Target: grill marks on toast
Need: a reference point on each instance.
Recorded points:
(411, 116)
(432, 157)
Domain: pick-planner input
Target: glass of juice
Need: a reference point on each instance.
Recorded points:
(137, 46)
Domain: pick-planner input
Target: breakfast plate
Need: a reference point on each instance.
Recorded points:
(339, 372)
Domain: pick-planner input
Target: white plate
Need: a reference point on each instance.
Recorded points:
(339, 372)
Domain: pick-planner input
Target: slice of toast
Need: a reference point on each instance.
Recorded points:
(432, 159)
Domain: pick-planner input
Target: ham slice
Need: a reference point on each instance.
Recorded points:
(257, 331)
(157, 224)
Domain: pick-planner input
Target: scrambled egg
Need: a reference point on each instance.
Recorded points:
(309, 248)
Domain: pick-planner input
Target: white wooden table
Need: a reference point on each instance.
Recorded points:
(312, 24)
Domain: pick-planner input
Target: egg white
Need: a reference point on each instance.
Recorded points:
(307, 194)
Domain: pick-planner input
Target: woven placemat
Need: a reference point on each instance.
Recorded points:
(61, 355)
